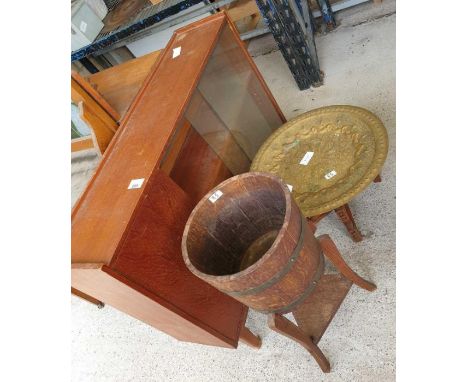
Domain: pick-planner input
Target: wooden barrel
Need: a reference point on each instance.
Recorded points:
(248, 238)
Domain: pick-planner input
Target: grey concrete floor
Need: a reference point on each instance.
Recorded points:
(359, 64)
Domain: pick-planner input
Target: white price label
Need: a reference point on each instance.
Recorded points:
(330, 175)
(216, 195)
(306, 158)
(176, 52)
(83, 26)
(136, 183)
(290, 187)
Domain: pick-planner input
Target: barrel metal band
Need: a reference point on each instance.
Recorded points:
(312, 284)
(281, 273)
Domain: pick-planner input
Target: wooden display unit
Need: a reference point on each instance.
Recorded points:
(199, 118)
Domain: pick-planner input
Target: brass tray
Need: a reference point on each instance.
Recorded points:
(349, 146)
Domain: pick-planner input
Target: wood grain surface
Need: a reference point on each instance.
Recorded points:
(120, 84)
(219, 235)
(114, 289)
(101, 132)
(150, 255)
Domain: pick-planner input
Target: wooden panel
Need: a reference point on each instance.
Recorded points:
(95, 95)
(198, 169)
(315, 6)
(101, 132)
(120, 84)
(83, 143)
(86, 297)
(151, 257)
(134, 231)
(241, 9)
(176, 145)
(315, 314)
(115, 291)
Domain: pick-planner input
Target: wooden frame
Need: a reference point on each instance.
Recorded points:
(96, 112)
(110, 91)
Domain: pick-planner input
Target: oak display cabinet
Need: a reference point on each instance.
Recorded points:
(199, 118)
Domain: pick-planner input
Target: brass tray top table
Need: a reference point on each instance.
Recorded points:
(326, 156)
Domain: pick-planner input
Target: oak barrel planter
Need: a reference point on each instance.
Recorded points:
(248, 238)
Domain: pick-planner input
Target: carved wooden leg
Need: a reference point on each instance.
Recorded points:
(250, 339)
(283, 326)
(332, 253)
(345, 215)
(377, 179)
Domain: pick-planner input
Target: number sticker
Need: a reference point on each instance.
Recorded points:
(136, 183)
(330, 175)
(176, 52)
(216, 195)
(306, 158)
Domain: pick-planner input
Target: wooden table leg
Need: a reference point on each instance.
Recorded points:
(313, 220)
(312, 225)
(250, 339)
(345, 215)
(283, 326)
(332, 253)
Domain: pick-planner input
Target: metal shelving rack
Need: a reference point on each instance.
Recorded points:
(292, 26)
(291, 22)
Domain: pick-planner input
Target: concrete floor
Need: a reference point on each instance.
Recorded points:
(359, 64)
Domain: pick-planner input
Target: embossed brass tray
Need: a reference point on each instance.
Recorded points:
(348, 144)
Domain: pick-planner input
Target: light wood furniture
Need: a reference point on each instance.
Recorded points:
(108, 92)
(128, 223)
(245, 14)
(120, 84)
(96, 112)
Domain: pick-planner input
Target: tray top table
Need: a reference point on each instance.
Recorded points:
(328, 156)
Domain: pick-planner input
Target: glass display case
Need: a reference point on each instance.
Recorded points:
(231, 110)
(200, 116)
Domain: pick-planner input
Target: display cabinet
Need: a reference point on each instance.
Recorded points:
(199, 118)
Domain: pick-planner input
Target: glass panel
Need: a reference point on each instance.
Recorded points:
(230, 109)
(224, 142)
